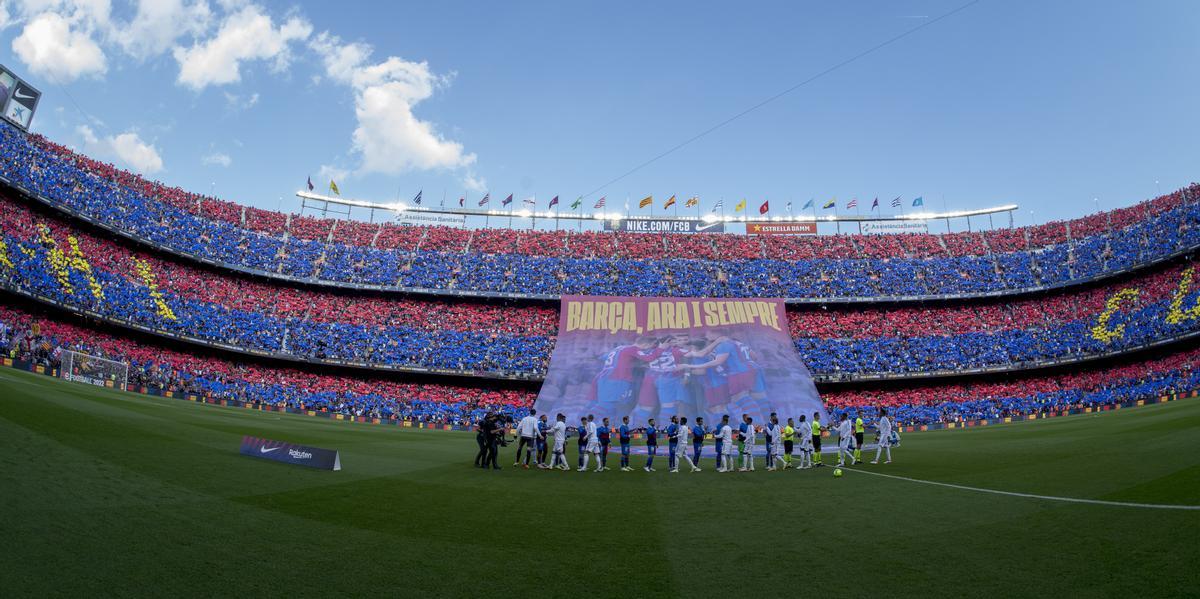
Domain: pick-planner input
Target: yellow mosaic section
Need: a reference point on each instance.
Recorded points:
(62, 263)
(1101, 332)
(147, 275)
(1176, 314)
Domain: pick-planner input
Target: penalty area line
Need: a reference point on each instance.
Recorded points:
(1153, 506)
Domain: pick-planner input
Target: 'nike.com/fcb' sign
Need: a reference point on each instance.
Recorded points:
(663, 226)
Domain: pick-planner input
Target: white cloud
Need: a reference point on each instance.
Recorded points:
(157, 25)
(327, 173)
(127, 148)
(473, 182)
(237, 102)
(245, 35)
(389, 138)
(55, 48)
(217, 159)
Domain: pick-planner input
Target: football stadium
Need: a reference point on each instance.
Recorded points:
(979, 380)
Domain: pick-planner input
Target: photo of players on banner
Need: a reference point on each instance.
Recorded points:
(795, 443)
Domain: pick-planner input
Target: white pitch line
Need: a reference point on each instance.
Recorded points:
(1155, 506)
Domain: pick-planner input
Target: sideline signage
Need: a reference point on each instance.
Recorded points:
(885, 228)
(769, 228)
(413, 218)
(288, 453)
(654, 225)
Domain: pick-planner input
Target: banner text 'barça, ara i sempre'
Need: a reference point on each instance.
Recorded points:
(660, 357)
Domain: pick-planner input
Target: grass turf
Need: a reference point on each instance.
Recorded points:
(118, 494)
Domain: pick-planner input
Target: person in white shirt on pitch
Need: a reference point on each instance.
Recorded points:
(681, 449)
(777, 445)
(885, 437)
(774, 439)
(593, 445)
(559, 430)
(769, 438)
(845, 430)
(725, 435)
(806, 444)
(528, 431)
(748, 447)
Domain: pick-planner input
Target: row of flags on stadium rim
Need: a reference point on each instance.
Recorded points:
(648, 201)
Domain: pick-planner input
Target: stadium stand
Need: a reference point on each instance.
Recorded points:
(36, 336)
(547, 264)
(45, 256)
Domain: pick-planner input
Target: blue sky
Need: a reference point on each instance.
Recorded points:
(1046, 105)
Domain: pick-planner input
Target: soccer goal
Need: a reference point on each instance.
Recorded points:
(93, 370)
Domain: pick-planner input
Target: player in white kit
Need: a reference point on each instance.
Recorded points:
(559, 431)
(593, 445)
(885, 437)
(724, 438)
(806, 444)
(845, 430)
(681, 448)
(776, 448)
(774, 439)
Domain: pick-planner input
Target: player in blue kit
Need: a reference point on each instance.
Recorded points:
(720, 440)
(583, 439)
(543, 426)
(651, 445)
(604, 434)
(697, 440)
(624, 436)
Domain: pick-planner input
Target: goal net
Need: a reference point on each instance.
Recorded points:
(93, 370)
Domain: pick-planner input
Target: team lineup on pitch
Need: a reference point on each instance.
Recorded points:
(730, 451)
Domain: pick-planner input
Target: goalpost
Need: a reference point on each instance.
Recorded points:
(93, 370)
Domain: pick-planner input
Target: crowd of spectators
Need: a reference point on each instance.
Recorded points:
(37, 337)
(542, 263)
(49, 257)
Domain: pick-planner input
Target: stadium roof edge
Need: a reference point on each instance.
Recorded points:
(601, 216)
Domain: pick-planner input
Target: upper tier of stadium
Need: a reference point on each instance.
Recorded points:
(547, 264)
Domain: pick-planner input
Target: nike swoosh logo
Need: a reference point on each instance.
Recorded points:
(18, 94)
(269, 449)
(706, 227)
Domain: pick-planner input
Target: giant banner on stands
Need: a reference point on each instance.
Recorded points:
(657, 357)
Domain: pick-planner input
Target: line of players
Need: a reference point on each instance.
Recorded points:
(595, 439)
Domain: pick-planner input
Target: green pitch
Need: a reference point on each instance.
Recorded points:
(106, 493)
